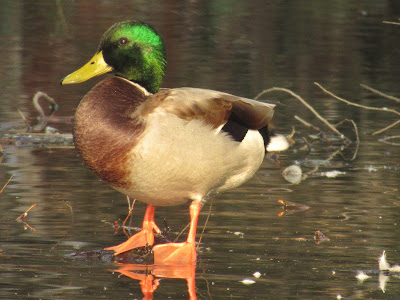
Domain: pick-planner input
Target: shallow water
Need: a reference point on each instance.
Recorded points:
(240, 48)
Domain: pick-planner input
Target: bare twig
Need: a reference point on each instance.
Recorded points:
(69, 231)
(290, 137)
(39, 108)
(24, 118)
(130, 206)
(26, 225)
(387, 127)
(365, 107)
(8, 141)
(182, 231)
(307, 144)
(205, 224)
(386, 140)
(331, 127)
(2, 189)
(72, 211)
(22, 217)
(43, 117)
(357, 136)
(315, 169)
(59, 241)
(307, 124)
(333, 155)
(45, 134)
(380, 93)
(393, 23)
(355, 104)
(60, 147)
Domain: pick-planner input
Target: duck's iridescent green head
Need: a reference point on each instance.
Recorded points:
(130, 49)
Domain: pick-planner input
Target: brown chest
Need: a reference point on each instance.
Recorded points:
(105, 131)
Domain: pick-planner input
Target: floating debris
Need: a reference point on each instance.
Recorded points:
(21, 219)
(38, 139)
(293, 174)
(314, 162)
(371, 169)
(362, 276)
(383, 280)
(385, 273)
(385, 266)
(332, 174)
(319, 237)
(238, 233)
(291, 207)
(257, 274)
(248, 281)
(298, 239)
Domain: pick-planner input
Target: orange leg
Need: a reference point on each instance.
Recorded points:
(141, 239)
(180, 253)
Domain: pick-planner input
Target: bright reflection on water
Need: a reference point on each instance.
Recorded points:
(247, 250)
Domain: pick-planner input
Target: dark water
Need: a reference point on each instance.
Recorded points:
(240, 47)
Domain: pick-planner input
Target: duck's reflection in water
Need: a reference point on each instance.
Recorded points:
(150, 275)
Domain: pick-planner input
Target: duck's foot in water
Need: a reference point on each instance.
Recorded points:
(141, 239)
(180, 253)
(175, 254)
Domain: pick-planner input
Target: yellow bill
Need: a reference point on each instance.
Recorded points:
(95, 67)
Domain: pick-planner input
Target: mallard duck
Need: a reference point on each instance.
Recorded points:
(164, 147)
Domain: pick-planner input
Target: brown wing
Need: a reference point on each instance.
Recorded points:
(210, 106)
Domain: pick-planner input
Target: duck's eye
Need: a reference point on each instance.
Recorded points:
(123, 41)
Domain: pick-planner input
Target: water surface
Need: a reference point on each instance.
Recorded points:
(236, 47)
